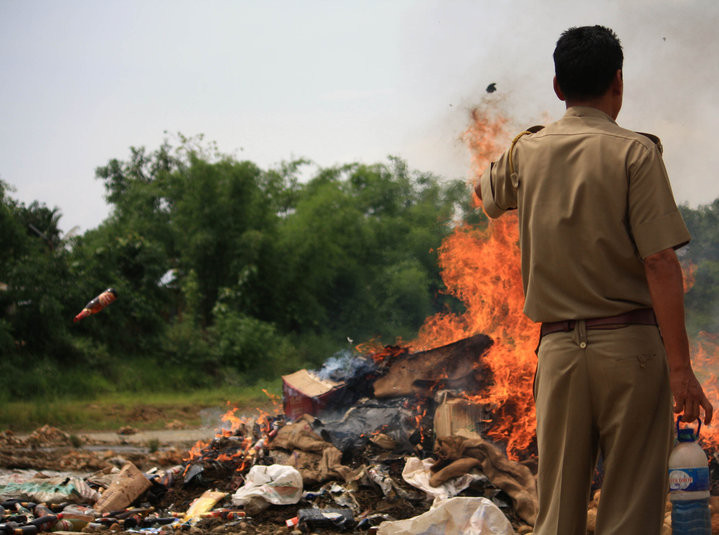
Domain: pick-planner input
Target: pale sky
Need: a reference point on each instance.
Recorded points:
(332, 81)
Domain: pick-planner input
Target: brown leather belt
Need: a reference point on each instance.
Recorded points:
(641, 316)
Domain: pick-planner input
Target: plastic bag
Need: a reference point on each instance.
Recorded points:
(277, 484)
(51, 490)
(456, 516)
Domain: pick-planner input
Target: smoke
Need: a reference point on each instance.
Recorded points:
(670, 75)
(346, 366)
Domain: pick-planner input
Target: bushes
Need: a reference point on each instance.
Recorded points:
(250, 346)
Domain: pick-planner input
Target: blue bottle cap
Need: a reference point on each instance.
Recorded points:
(687, 434)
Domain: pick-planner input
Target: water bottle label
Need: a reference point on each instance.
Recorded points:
(689, 479)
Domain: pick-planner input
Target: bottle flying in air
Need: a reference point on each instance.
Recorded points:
(97, 304)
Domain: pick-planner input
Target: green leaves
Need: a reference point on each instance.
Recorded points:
(271, 269)
(702, 300)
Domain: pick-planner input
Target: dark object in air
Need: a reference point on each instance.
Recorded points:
(491, 88)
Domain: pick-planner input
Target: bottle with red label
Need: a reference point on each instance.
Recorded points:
(689, 484)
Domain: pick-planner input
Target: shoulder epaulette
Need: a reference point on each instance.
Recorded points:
(654, 139)
(530, 130)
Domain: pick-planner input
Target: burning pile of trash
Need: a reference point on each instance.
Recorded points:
(388, 441)
(382, 442)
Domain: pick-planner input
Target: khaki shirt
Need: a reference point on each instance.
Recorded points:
(594, 200)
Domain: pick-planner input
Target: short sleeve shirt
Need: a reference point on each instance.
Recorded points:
(593, 200)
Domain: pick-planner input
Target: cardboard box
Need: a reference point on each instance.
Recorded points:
(127, 486)
(305, 393)
(454, 414)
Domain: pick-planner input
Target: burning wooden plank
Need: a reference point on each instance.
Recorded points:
(454, 365)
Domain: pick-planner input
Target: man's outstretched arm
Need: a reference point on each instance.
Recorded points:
(664, 275)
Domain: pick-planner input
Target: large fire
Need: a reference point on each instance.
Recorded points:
(481, 267)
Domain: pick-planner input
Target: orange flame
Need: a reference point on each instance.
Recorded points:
(379, 353)
(235, 423)
(481, 267)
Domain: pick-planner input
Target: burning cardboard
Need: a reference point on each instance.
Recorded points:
(455, 414)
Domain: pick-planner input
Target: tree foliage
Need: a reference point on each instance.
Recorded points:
(226, 269)
(702, 300)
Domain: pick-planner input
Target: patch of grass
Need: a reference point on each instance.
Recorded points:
(147, 409)
(145, 393)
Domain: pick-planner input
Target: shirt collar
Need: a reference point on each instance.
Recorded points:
(587, 111)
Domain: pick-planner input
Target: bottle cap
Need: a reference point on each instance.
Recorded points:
(687, 434)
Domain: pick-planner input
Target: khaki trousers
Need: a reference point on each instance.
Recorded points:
(603, 390)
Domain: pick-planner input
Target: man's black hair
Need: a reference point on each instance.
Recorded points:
(586, 60)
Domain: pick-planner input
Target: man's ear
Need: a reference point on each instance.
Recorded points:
(558, 90)
(618, 82)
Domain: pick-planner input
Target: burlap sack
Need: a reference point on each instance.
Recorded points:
(316, 459)
(513, 478)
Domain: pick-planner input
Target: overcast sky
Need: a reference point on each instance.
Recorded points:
(332, 81)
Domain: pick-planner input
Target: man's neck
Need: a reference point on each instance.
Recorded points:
(591, 104)
(605, 103)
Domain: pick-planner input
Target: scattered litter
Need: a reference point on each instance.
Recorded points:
(305, 393)
(455, 453)
(343, 497)
(362, 443)
(326, 518)
(127, 485)
(43, 489)
(456, 516)
(202, 505)
(276, 484)
(419, 472)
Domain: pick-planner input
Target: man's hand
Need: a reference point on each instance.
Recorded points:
(689, 395)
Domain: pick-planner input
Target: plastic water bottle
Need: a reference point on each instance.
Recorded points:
(689, 484)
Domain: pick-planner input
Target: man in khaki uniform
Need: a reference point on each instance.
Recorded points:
(598, 230)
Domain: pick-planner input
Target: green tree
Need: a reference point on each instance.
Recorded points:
(359, 250)
(702, 300)
(223, 268)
